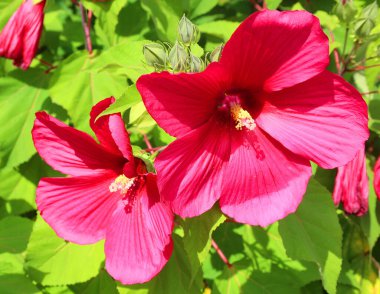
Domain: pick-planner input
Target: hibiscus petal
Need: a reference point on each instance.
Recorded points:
(189, 169)
(110, 130)
(376, 182)
(275, 50)
(138, 241)
(324, 119)
(70, 151)
(182, 102)
(264, 182)
(77, 208)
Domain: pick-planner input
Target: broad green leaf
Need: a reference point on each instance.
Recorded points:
(370, 222)
(165, 15)
(197, 239)
(16, 284)
(130, 98)
(174, 278)
(102, 283)
(20, 97)
(53, 261)
(200, 7)
(128, 57)
(14, 234)
(313, 233)
(222, 29)
(77, 86)
(273, 4)
(11, 263)
(7, 8)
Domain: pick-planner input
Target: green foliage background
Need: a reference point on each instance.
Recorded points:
(319, 248)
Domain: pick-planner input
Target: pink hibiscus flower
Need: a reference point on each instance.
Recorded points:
(351, 185)
(377, 178)
(109, 194)
(248, 125)
(21, 35)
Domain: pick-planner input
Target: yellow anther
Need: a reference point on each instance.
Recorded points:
(242, 118)
(122, 184)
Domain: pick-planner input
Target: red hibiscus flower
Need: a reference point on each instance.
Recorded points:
(351, 185)
(248, 125)
(20, 36)
(377, 178)
(109, 194)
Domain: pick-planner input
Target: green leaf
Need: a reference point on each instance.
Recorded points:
(7, 8)
(130, 98)
(102, 283)
(174, 278)
(52, 261)
(16, 284)
(14, 234)
(222, 29)
(165, 15)
(128, 56)
(77, 86)
(11, 264)
(273, 4)
(197, 239)
(313, 233)
(20, 97)
(200, 7)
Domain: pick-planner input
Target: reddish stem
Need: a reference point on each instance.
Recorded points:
(361, 67)
(221, 254)
(369, 93)
(86, 28)
(256, 5)
(154, 148)
(148, 144)
(336, 56)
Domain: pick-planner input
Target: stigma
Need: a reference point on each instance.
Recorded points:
(121, 184)
(242, 118)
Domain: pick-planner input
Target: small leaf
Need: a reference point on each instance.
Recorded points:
(14, 234)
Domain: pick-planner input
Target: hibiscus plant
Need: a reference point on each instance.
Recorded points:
(203, 146)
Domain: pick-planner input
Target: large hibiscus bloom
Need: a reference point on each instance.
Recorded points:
(109, 194)
(20, 37)
(248, 125)
(351, 185)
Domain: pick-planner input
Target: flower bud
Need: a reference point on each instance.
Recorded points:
(196, 64)
(155, 55)
(187, 31)
(345, 10)
(178, 57)
(217, 53)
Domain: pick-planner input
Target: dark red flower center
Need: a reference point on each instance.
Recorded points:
(241, 107)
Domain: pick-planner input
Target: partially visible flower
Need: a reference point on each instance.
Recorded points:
(377, 178)
(108, 194)
(351, 185)
(20, 37)
(248, 125)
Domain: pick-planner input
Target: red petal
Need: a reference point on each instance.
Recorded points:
(377, 178)
(182, 102)
(20, 37)
(351, 185)
(263, 181)
(77, 208)
(189, 169)
(138, 242)
(110, 130)
(323, 119)
(70, 151)
(275, 50)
